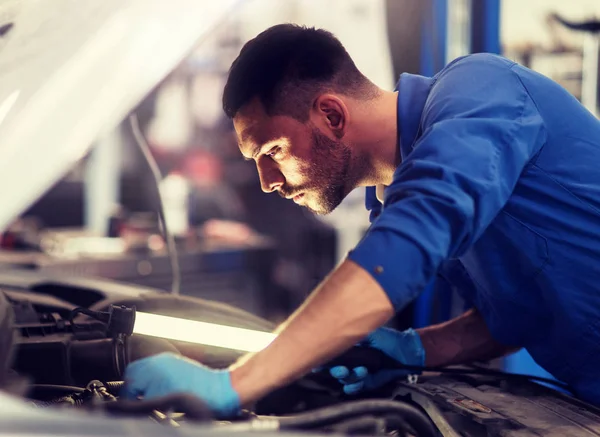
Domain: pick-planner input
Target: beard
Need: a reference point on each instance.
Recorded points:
(327, 175)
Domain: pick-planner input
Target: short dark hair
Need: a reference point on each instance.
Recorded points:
(286, 66)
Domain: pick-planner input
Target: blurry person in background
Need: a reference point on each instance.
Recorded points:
(204, 171)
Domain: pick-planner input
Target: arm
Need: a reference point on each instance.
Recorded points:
(343, 310)
(460, 340)
(478, 135)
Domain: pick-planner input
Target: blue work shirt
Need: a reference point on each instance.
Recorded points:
(498, 191)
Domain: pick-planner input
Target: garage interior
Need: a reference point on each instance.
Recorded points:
(125, 192)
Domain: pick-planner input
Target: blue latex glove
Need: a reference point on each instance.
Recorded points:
(403, 346)
(168, 373)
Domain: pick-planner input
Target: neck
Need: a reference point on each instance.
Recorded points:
(376, 139)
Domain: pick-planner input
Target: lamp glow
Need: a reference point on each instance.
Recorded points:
(7, 104)
(210, 334)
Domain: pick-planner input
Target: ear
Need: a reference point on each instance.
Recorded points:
(332, 112)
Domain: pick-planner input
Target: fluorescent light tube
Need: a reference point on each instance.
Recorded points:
(209, 334)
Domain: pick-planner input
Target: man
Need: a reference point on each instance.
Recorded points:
(486, 174)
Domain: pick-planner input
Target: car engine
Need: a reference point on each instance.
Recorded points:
(58, 361)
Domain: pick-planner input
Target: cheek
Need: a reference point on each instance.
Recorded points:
(301, 150)
(295, 170)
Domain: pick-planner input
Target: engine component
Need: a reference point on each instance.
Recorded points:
(462, 401)
(69, 360)
(375, 360)
(405, 416)
(118, 320)
(192, 407)
(77, 353)
(378, 417)
(50, 392)
(95, 393)
(478, 405)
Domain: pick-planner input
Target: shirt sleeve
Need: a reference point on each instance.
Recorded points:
(479, 130)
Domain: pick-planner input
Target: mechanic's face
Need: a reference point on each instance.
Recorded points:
(295, 159)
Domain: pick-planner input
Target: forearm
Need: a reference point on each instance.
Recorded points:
(460, 340)
(343, 310)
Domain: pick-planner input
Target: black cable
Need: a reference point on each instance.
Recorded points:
(508, 375)
(65, 389)
(487, 372)
(168, 236)
(93, 314)
(55, 395)
(143, 145)
(100, 316)
(375, 360)
(331, 415)
(190, 405)
(71, 401)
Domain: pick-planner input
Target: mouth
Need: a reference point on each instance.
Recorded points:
(297, 197)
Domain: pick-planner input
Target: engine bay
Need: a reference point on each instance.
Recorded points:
(62, 363)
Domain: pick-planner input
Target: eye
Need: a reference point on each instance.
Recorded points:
(274, 152)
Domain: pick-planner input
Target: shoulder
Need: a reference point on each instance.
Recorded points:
(474, 83)
(479, 60)
(472, 69)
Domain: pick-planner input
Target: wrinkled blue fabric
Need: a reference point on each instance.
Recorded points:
(498, 191)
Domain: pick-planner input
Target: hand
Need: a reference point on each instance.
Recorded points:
(168, 373)
(404, 347)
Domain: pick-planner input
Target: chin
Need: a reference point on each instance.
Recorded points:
(320, 212)
(323, 210)
(324, 205)
(316, 209)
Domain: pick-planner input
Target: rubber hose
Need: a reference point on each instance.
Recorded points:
(63, 390)
(362, 426)
(397, 423)
(330, 415)
(63, 400)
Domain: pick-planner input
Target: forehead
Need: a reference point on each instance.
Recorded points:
(250, 119)
(254, 128)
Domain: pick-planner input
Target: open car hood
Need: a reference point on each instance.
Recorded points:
(71, 70)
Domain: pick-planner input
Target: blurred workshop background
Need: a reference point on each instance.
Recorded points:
(236, 244)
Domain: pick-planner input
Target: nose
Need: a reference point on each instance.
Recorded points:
(270, 177)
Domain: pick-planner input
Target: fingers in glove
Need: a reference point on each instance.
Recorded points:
(354, 388)
(339, 372)
(142, 379)
(357, 374)
(347, 376)
(135, 378)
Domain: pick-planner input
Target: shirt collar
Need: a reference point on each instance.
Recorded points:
(413, 91)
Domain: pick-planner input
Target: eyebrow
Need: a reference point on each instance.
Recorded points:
(246, 136)
(255, 151)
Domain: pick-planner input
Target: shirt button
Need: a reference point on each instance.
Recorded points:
(379, 270)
